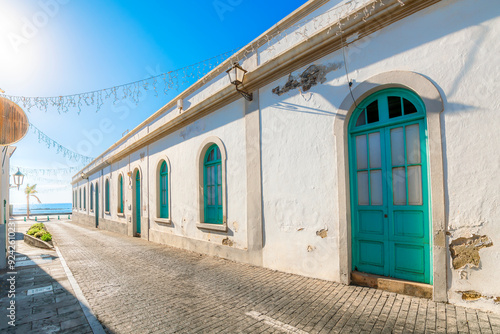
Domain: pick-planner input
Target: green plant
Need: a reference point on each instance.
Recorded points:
(32, 231)
(40, 233)
(47, 236)
(35, 228)
(39, 226)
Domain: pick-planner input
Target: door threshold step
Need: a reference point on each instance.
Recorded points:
(390, 284)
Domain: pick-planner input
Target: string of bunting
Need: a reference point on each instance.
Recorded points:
(52, 188)
(40, 172)
(276, 40)
(162, 83)
(51, 143)
(279, 40)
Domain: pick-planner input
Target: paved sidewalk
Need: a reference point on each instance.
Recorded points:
(134, 286)
(44, 299)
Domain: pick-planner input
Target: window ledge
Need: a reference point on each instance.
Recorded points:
(121, 214)
(165, 221)
(107, 213)
(213, 227)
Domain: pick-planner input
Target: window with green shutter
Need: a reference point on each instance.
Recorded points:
(163, 179)
(106, 196)
(212, 182)
(120, 194)
(91, 196)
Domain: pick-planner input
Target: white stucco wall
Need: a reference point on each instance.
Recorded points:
(7, 151)
(299, 181)
(181, 149)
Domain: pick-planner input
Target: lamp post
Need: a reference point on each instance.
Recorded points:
(236, 74)
(18, 179)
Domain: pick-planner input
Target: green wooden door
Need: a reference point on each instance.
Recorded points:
(389, 187)
(138, 202)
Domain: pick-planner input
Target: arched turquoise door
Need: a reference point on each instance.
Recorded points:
(389, 186)
(138, 202)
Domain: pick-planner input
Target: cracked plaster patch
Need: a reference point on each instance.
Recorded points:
(313, 75)
(465, 251)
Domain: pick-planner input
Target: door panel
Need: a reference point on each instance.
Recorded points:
(409, 224)
(371, 222)
(409, 258)
(372, 255)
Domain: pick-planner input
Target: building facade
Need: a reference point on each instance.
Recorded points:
(7, 152)
(369, 146)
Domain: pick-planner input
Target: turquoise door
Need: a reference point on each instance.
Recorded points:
(138, 202)
(96, 205)
(389, 187)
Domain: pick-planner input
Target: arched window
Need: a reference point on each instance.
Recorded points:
(91, 197)
(163, 190)
(120, 193)
(212, 186)
(84, 199)
(106, 196)
(80, 197)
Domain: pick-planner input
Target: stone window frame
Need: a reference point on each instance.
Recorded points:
(433, 102)
(205, 145)
(157, 218)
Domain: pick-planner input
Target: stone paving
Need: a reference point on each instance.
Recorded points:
(51, 309)
(135, 286)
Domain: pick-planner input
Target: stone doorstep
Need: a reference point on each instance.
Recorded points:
(392, 284)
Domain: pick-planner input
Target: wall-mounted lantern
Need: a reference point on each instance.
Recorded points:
(236, 75)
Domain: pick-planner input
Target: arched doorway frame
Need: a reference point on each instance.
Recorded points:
(433, 102)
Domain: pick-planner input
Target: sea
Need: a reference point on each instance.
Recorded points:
(43, 209)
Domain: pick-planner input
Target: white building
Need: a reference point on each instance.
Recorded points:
(369, 146)
(7, 152)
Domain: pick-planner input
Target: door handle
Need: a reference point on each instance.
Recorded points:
(385, 215)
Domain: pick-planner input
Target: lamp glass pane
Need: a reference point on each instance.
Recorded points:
(232, 74)
(18, 179)
(239, 74)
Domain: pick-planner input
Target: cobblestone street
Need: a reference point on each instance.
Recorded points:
(134, 286)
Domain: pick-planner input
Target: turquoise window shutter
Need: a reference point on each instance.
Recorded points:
(212, 186)
(163, 179)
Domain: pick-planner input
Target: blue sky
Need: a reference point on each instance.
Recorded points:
(61, 47)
